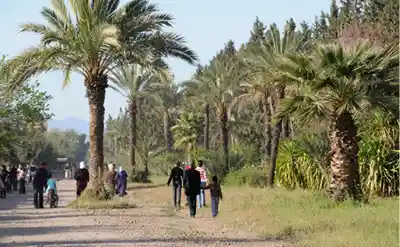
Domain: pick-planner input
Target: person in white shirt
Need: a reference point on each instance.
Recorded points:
(21, 174)
(201, 199)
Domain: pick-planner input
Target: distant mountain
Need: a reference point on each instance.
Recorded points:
(79, 125)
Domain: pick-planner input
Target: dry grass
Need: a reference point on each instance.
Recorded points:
(303, 217)
(310, 219)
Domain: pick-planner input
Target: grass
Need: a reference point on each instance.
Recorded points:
(302, 217)
(309, 219)
(88, 201)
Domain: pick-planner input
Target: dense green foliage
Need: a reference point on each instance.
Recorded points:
(310, 106)
(250, 98)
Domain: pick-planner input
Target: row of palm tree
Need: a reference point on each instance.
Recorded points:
(296, 82)
(94, 39)
(292, 78)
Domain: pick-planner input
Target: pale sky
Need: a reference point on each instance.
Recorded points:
(206, 25)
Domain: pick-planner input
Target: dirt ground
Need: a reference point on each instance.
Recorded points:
(146, 225)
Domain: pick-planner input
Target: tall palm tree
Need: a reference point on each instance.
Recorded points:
(338, 85)
(92, 39)
(166, 96)
(220, 81)
(199, 92)
(268, 89)
(132, 81)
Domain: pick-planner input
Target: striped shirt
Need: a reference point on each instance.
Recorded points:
(203, 174)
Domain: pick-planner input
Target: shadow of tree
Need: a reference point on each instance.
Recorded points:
(179, 240)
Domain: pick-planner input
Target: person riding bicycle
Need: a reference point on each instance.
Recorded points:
(51, 189)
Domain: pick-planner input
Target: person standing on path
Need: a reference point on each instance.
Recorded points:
(122, 179)
(3, 177)
(39, 182)
(191, 181)
(13, 178)
(2, 190)
(82, 178)
(201, 198)
(21, 177)
(176, 176)
(111, 179)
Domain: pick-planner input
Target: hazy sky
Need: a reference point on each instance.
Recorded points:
(206, 24)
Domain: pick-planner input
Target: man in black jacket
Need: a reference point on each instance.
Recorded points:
(176, 176)
(39, 183)
(13, 178)
(191, 181)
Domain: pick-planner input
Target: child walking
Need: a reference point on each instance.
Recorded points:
(216, 195)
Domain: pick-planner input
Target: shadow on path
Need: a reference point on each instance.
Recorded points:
(197, 240)
(139, 187)
(15, 200)
(32, 216)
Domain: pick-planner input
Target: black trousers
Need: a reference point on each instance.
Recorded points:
(8, 186)
(3, 193)
(191, 199)
(38, 198)
(176, 194)
(15, 184)
(22, 183)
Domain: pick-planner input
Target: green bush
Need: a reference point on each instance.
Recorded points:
(256, 177)
(162, 164)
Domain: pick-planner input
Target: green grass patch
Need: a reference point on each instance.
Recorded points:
(310, 219)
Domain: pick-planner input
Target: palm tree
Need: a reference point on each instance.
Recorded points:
(132, 81)
(166, 95)
(198, 92)
(92, 39)
(186, 131)
(268, 89)
(220, 81)
(338, 85)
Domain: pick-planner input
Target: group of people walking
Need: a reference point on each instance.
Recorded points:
(115, 180)
(15, 179)
(194, 182)
(12, 179)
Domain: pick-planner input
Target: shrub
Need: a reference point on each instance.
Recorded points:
(249, 176)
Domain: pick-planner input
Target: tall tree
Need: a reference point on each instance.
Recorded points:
(132, 81)
(91, 39)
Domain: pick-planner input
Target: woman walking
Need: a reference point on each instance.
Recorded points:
(82, 178)
(110, 178)
(122, 178)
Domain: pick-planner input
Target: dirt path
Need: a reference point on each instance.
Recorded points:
(22, 225)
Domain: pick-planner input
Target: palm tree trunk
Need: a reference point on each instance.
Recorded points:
(206, 126)
(267, 126)
(96, 93)
(132, 155)
(225, 136)
(167, 131)
(275, 143)
(286, 128)
(345, 179)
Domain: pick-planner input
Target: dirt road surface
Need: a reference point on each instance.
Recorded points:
(147, 225)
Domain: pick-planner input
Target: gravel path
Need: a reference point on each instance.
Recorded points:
(22, 225)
